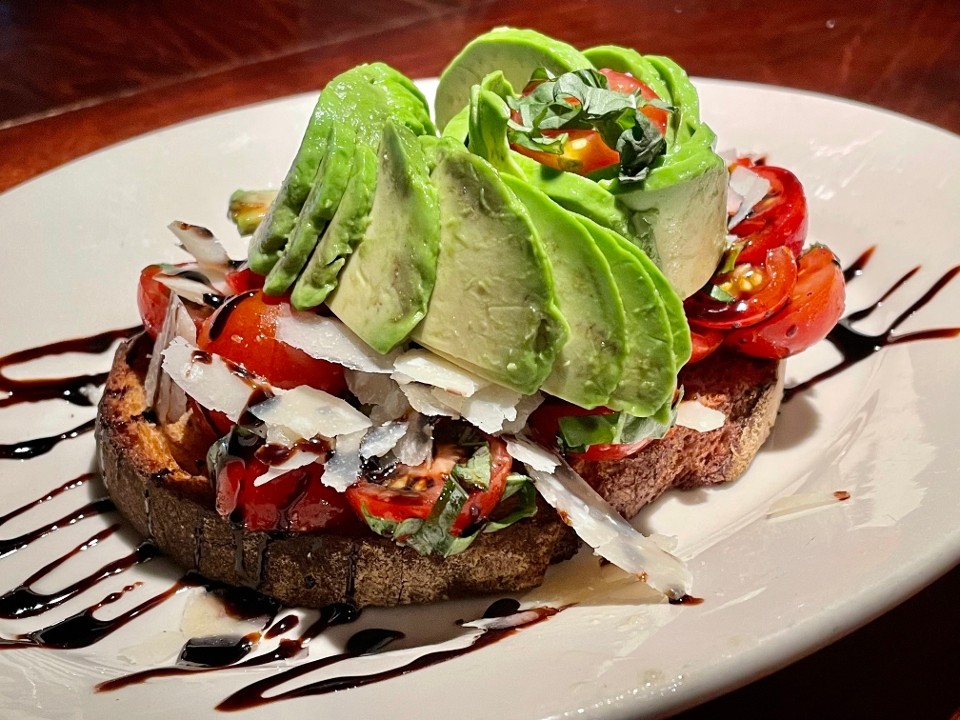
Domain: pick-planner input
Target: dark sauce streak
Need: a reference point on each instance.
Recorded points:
(96, 507)
(65, 388)
(336, 614)
(83, 629)
(363, 643)
(686, 600)
(856, 346)
(26, 449)
(69, 485)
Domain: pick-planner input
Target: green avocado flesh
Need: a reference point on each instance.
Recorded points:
(342, 234)
(516, 52)
(649, 373)
(386, 283)
(493, 308)
(589, 364)
(530, 277)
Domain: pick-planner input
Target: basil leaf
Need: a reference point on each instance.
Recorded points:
(639, 146)
(577, 433)
(524, 504)
(475, 472)
(721, 295)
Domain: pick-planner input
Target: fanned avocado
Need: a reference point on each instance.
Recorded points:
(493, 308)
(649, 374)
(341, 235)
(363, 99)
(385, 286)
(589, 364)
(515, 51)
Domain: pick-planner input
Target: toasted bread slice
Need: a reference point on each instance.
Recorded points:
(154, 475)
(175, 508)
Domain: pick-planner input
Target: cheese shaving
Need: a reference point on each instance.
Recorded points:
(212, 383)
(695, 415)
(309, 413)
(326, 338)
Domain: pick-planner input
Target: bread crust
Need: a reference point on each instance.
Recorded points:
(174, 508)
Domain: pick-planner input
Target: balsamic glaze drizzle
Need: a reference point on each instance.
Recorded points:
(210, 654)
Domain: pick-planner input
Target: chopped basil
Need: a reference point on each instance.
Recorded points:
(582, 100)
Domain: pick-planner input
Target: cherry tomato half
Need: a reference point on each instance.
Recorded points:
(704, 341)
(597, 453)
(779, 219)
(243, 330)
(621, 82)
(152, 300)
(413, 492)
(243, 279)
(814, 307)
(758, 291)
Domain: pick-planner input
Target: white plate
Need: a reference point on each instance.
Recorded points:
(773, 590)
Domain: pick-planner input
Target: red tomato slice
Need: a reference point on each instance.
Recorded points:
(779, 219)
(597, 453)
(815, 305)
(296, 501)
(413, 492)
(704, 342)
(152, 300)
(758, 290)
(243, 330)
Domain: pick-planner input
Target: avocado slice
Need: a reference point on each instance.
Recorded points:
(363, 99)
(342, 234)
(319, 207)
(515, 51)
(649, 374)
(589, 365)
(385, 286)
(493, 309)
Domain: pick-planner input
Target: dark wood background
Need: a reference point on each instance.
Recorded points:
(78, 75)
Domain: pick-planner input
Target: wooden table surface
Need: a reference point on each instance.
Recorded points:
(78, 75)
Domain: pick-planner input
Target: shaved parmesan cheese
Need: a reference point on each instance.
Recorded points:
(695, 415)
(751, 187)
(343, 467)
(201, 243)
(529, 453)
(212, 383)
(380, 391)
(187, 287)
(158, 386)
(610, 536)
(416, 445)
(310, 412)
(527, 404)
(805, 501)
(491, 407)
(381, 440)
(425, 367)
(301, 457)
(326, 338)
(422, 398)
